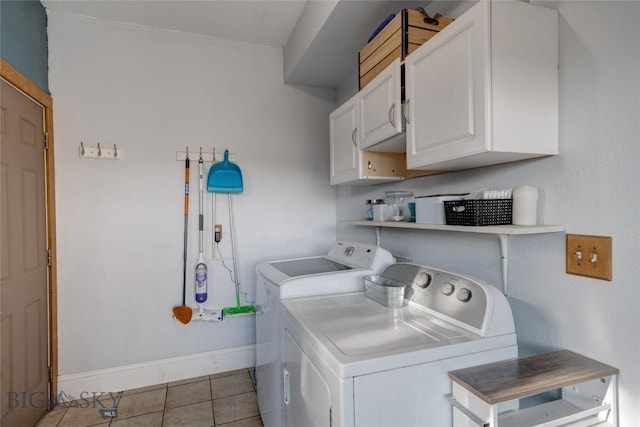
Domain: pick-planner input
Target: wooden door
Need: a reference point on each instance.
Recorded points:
(24, 382)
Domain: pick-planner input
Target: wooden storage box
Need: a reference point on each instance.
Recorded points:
(401, 36)
(375, 164)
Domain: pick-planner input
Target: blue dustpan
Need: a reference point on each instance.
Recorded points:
(224, 177)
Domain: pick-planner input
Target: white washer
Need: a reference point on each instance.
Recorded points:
(349, 361)
(341, 270)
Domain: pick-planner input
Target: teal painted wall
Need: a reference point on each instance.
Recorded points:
(23, 39)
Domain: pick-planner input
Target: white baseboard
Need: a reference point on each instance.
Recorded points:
(137, 375)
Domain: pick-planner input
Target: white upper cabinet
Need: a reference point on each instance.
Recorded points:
(380, 122)
(343, 140)
(484, 90)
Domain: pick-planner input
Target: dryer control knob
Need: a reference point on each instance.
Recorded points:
(464, 295)
(423, 279)
(448, 288)
(349, 251)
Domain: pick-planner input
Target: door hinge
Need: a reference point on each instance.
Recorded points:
(330, 417)
(50, 374)
(46, 141)
(49, 260)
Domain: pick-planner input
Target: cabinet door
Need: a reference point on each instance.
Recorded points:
(380, 111)
(307, 399)
(268, 352)
(343, 140)
(445, 93)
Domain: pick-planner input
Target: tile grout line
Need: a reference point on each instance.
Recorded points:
(213, 411)
(239, 419)
(64, 412)
(164, 407)
(120, 394)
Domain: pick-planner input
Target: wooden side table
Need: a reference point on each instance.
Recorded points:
(589, 389)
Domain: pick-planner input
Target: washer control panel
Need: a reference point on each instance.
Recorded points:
(360, 255)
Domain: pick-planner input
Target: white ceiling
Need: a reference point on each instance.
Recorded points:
(256, 21)
(331, 53)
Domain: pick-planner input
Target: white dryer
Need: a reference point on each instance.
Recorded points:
(350, 361)
(342, 269)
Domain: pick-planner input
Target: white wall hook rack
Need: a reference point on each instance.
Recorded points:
(207, 156)
(100, 152)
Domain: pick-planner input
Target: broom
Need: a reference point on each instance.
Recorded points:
(182, 312)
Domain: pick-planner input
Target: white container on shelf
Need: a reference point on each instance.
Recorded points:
(379, 211)
(398, 205)
(525, 205)
(430, 210)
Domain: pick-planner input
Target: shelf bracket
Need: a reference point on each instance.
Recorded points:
(503, 232)
(504, 258)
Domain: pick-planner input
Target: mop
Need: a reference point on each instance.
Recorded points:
(238, 309)
(201, 265)
(226, 177)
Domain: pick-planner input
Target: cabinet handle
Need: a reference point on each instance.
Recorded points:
(405, 114)
(427, 19)
(353, 137)
(392, 112)
(286, 386)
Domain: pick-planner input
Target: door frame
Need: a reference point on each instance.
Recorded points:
(17, 79)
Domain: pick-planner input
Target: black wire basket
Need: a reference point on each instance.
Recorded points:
(478, 212)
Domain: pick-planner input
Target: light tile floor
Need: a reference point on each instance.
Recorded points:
(227, 399)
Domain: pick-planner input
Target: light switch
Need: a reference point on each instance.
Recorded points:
(589, 256)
